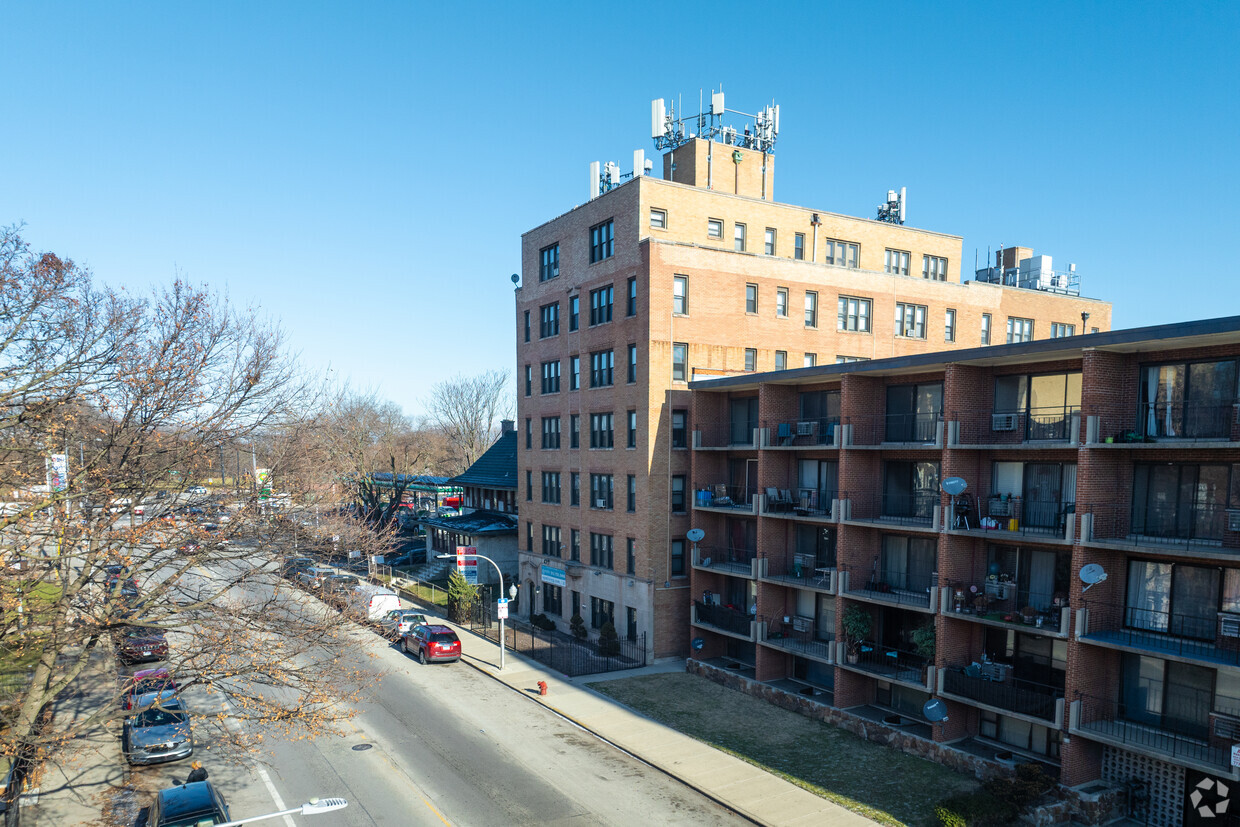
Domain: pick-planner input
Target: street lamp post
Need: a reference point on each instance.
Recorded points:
(501, 591)
(313, 807)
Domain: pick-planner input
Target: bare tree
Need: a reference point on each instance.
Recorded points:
(468, 410)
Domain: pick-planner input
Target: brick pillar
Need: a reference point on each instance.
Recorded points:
(852, 689)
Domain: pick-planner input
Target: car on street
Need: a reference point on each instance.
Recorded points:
(366, 602)
(137, 644)
(144, 682)
(196, 489)
(337, 586)
(432, 643)
(397, 623)
(312, 578)
(196, 804)
(159, 733)
(292, 566)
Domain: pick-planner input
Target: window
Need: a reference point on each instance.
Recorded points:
(632, 303)
(632, 364)
(574, 544)
(911, 320)
(549, 262)
(949, 326)
(1183, 501)
(895, 262)
(811, 359)
(529, 379)
(781, 302)
(714, 228)
(529, 433)
(600, 550)
(680, 361)
(680, 428)
(843, 360)
(751, 298)
(781, 360)
(630, 556)
(985, 328)
(913, 412)
(658, 219)
(529, 486)
(574, 313)
(551, 432)
(551, 377)
(768, 246)
(798, 246)
(678, 558)
(910, 491)
(551, 487)
(751, 359)
(853, 314)
(1187, 400)
(600, 304)
(602, 241)
(738, 238)
(529, 537)
(552, 599)
(600, 491)
(934, 268)
(811, 309)
(527, 325)
(817, 542)
(680, 295)
(1061, 331)
(1044, 402)
(601, 435)
(1093, 330)
(602, 611)
(574, 488)
(574, 430)
(574, 373)
(602, 363)
(549, 320)
(632, 429)
(678, 494)
(551, 540)
(842, 253)
(1019, 330)
(632, 498)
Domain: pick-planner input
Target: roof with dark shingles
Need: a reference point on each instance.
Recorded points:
(497, 468)
(475, 523)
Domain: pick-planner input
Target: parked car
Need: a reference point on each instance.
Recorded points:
(397, 623)
(157, 734)
(313, 577)
(292, 566)
(197, 805)
(138, 644)
(146, 681)
(369, 603)
(336, 587)
(196, 489)
(432, 643)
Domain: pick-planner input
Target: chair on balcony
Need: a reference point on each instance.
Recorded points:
(720, 497)
(776, 502)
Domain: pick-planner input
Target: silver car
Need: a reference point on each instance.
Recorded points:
(158, 733)
(397, 623)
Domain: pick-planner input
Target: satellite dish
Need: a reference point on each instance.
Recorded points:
(954, 486)
(515, 278)
(934, 711)
(695, 535)
(698, 643)
(1091, 575)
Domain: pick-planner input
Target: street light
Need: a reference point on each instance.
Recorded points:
(313, 807)
(501, 591)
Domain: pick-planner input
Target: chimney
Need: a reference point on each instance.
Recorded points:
(507, 426)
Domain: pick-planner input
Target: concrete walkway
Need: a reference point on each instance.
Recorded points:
(761, 796)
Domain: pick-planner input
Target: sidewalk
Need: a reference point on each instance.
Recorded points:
(754, 793)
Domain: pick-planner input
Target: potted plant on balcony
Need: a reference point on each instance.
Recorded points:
(857, 627)
(923, 641)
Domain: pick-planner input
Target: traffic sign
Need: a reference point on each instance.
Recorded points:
(502, 613)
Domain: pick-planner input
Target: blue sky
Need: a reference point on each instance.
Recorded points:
(363, 171)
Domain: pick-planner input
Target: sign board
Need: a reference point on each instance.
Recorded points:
(502, 612)
(57, 472)
(466, 565)
(552, 576)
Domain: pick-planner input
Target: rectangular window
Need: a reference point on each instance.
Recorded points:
(529, 379)
(949, 326)
(529, 486)
(781, 360)
(751, 298)
(798, 246)
(549, 262)
(678, 558)
(551, 433)
(913, 412)
(843, 360)
(911, 320)
(600, 551)
(630, 556)
(529, 537)
(549, 320)
(601, 434)
(574, 372)
(601, 491)
(985, 328)
(602, 611)
(751, 359)
(632, 364)
(811, 309)
(781, 302)
(632, 303)
(551, 377)
(738, 238)
(632, 499)
(680, 361)
(551, 541)
(680, 295)
(1061, 331)
(1187, 400)
(658, 219)
(602, 241)
(714, 228)
(600, 304)
(678, 494)
(853, 314)
(680, 428)
(1019, 330)
(934, 268)
(574, 488)
(552, 599)
(811, 359)
(574, 544)
(632, 429)
(895, 262)
(768, 246)
(574, 313)
(602, 365)
(529, 433)
(527, 325)
(842, 253)
(574, 430)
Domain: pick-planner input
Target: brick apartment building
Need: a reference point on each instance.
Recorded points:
(654, 282)
(848, 585)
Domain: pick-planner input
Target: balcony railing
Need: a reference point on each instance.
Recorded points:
(893, 586)
(1170, 524)
(890, 663)
(905, 428)
(725, 434)
(801, 502)
(801, 433)
(916, 508)
(736, 497)
(1201, 637)
(1021, 516)
(1002, 601)
(800, 636)
(991, 427)
(722, 617)
(800, 570)
(1186, 420)
(727, 559)
(1172, 721)
(1024, 697)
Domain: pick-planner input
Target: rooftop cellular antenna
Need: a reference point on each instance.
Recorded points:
(669, 131)
(895, 211)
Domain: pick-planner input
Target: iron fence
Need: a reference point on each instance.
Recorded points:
(723, 617)
(564, 653)
(1026, 697)
(802, 433)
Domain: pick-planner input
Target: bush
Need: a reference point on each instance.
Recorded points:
(608, 640)
(976, 809)
(1024, 788)
(541, 621)
(577, 625)
(461, 597)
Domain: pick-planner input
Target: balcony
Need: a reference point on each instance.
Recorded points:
(1051, 521)
(889, 663)
(802, 433)
(798, 571)
(1166, 527)
(725, 435)
(984, 684)
(798, 636)
(919, 509)
(1001, 603)
(724, 619)
(728, 498)
(891, 588)
(1167, 425)
(801, 503)
(1057, 427)
(738, 562)
(1213, 640)
(905, 430)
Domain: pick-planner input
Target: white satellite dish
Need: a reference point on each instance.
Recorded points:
(1091, 574)
(954, 486)
(695, 535)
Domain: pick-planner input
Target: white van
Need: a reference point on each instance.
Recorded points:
(369, 603)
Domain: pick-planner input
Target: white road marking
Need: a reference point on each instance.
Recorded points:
(232, 724)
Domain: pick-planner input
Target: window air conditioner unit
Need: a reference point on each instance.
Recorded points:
(1226, 728)
(805, 429)
(1228, 624)
(1003, 422)
(600, 503)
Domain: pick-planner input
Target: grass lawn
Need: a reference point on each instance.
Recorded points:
(875, 781)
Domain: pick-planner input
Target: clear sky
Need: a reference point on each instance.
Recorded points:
(363, 171)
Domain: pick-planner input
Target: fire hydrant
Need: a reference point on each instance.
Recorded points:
(542, 687)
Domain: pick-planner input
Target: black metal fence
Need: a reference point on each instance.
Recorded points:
(1025, 697)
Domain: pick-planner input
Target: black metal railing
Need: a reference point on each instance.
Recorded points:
(727, 558)
(1045, 517)
(1185, 420)
(803, 502)
(1194, 636)
(800, 635)
(914, 428)
(562, 652)
(993, 427)
(1161, 524)
(723, 617)
(1174, 721)
(726, 434)
(893, 586)
(916, 508)
(802, 432)
(725, 496)
(1005, 602)
(1025, 697)
(889, 662)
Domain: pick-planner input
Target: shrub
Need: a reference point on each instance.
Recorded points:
(577, 625)
(608, 640)
(461, 597)
(543, 622)
(1024, 788)
(976, 809)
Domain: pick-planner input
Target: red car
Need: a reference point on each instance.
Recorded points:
(146, 681)
(432, 643)
(137, 644)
